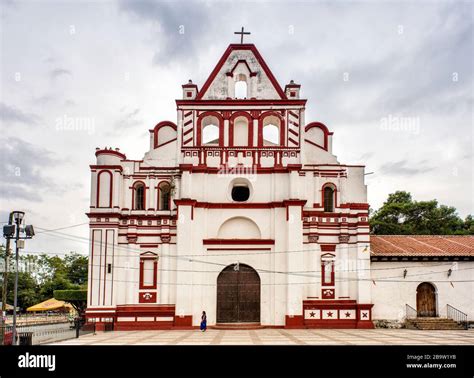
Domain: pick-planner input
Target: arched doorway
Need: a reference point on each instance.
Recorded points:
(426, 300)
(238, 295)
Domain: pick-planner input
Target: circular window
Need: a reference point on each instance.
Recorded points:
(240, 193)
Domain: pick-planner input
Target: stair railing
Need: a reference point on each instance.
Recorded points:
(457, 315)
(410, 312)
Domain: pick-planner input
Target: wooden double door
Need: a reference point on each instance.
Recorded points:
(238, 295)
(426, 300)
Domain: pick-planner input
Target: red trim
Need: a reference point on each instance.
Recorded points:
(231, 72)
(295, 321)
(355, 206)
(238, 249)
(238, 241)
(240, 103)
(328, 247)
(144, 258)
(98, 190)
(168, 142)
(105, 166)
(223, 59)
(199, 127)
(325, 131)
(260, 170)
(147, 297)
(225, 205)
(142, 326)
(185, 202)
(157, 129)
(110, 152)
(183, 322)
(249, 129)
(189, 85)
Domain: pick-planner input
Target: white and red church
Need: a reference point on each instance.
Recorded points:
(240, 209)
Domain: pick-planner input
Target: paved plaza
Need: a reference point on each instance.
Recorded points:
(277, 337)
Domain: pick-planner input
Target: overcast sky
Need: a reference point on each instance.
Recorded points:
(112, 70)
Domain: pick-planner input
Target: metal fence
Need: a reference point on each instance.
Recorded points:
(35, 334)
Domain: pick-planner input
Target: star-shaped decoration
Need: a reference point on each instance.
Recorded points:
(329, 314)
(347, 314)
(312, 314)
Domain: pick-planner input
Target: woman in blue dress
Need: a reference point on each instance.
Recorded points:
(203, 321)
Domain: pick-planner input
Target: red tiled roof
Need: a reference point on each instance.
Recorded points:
(422, 245)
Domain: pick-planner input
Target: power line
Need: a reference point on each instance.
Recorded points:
(187, 257)
(306, 273)
(61, 228)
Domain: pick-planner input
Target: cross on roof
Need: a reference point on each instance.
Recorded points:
(242, 35)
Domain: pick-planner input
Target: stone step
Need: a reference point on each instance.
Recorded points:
(432, 324)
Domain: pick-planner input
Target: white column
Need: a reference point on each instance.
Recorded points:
(152, 194)
(295, 261)
(226, 132)
(342, 270)
(164, 269)
(184, 266)
(363, 273)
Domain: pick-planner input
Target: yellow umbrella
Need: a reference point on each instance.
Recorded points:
(49, 305)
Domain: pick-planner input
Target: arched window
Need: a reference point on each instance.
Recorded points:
(210, 131)
(164, 196)
(240, 131)
(271, 131)
(241, 89)
(327, 270)
(104, 189)
(139, 196)
(328, 194)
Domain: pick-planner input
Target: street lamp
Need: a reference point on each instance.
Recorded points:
(18, 216)
(11, 231)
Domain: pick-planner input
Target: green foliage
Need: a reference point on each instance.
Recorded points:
(70, 295)
(77, 298)
(40, 275)
(401, 215)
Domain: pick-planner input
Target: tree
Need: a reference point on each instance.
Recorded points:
(401, 215)
(77, 298)
(76, 268)
(39, 276)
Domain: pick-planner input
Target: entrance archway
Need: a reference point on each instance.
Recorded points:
(238, 295)
(426, 300)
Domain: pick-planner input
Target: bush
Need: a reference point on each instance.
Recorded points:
(70, 295)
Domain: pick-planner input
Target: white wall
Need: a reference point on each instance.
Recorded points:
(390, 297)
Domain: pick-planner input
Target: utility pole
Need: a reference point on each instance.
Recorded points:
(13, 232)
(15, 298)
(5, 285)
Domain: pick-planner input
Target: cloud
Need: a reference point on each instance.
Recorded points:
(404, 168)
(21, 168)
(58, 72)
(128, 120)
(12, 114)
(181, 26)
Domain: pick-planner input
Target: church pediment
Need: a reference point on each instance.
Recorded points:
(241, 73)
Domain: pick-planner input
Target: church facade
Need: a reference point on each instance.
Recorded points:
(239, 208)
